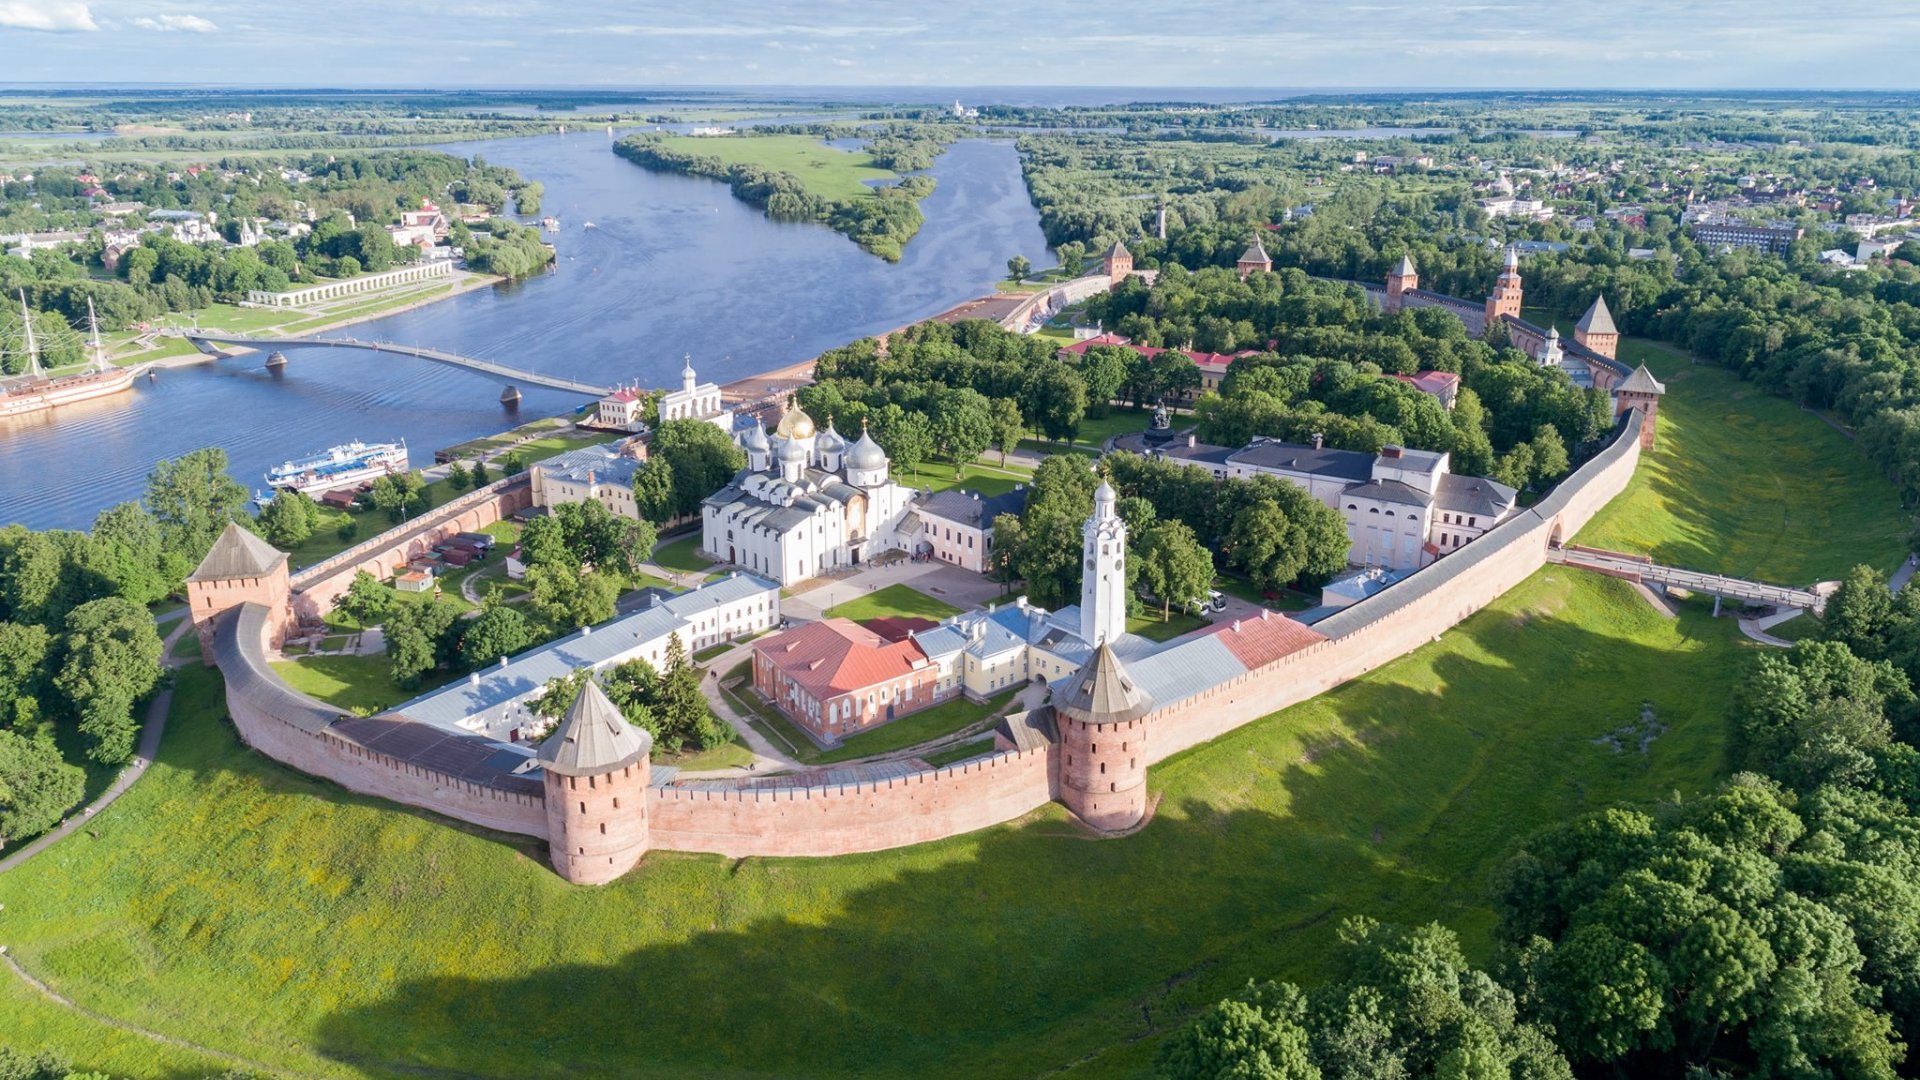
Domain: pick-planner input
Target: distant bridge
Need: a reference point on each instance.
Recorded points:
(1720, 586)
(205, 342)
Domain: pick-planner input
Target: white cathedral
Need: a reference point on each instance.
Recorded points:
(807, 503)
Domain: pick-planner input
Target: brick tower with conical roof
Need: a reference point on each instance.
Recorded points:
(596, 768)
(1596, 331)
(1402, 280)
(241, 568)
(1505, 299)
(1254, 260)
(1642, 391)
(1101, 716)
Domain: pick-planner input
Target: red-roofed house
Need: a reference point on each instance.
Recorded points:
(620, 409)
(836, 678)
(1443, 385)
(1259, 641)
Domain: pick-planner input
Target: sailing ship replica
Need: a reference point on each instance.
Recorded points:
(34, 390)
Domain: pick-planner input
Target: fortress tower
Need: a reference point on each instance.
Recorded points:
(1505, 299)
(1403, 278)
(1641, 391)
(596, 768)
(1117, 263)
(240, 569)
(1596, 331)
(1253, 260)
(1103, 578)
(1103, 739)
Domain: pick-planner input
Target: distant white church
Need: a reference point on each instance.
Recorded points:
(807, 503)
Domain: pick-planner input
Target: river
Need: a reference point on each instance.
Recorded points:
(674, 266)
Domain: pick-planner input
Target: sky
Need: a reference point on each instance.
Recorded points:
(1860, 44)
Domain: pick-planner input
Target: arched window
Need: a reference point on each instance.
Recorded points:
(1373, 509)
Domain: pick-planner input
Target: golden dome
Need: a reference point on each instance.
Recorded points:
(794, 424)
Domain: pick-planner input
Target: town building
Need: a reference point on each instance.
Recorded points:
(695, 400)
(1442, 386)
(1254, 260)
(1776, 239)
(836, 678)
(1404, 508)
(603, 472)
(620, 410)
(807, 503)
(496, 701)
(957, 526)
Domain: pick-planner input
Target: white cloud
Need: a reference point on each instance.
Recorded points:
(192, 24)
(51, 15)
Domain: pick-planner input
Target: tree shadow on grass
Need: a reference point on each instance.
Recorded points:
(1029, 948)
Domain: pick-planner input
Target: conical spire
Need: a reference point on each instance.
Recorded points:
(1513, 258)
(1642, 382)
(1102, 692)
(1597, 320)
(238, 553)
(593, 738)
(1405, 269)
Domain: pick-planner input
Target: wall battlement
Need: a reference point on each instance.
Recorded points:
(868, 815)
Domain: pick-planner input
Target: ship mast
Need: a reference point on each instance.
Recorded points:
(99, 352)
(33, 350)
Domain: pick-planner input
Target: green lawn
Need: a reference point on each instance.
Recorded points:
(1741, 482)
(912, 729)
(682, 555)
(1150, 627)
(727, 755)
(894, 601)
(959, 752)
(354, 683)
(826, 171)
(987, 479)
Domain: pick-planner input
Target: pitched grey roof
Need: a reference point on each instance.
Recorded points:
(1102, 692)
(1643, 382)
(968, 508)
(238, 554)
(1255, 253)
(1030, 730)
(1405, 269)
(1340, 464)
(1389, 491)
(1190, 666)
(593, 738)
(1117, 250)
(1474, 495)
(1597, 320)
(605, 464)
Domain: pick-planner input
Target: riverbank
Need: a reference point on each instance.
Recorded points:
(465, 282)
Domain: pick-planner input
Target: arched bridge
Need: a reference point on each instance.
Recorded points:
(205, 342)
(1720, 586)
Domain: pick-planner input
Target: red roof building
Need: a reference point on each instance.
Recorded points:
(836, 678)
(1257, 642)
(1443, 385)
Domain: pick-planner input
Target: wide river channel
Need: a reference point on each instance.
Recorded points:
(673, 266)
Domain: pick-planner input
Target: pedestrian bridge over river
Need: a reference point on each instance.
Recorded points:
(207, 342)
(1719, 586)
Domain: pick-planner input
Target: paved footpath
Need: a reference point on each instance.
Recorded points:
(150, 732)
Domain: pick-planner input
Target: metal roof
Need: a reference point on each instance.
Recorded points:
(1191, 666)
(1597, 320)
(1474, 495)
(237, 554)
(1273, 454)
(593, 738)
(1390, 491)
(1103, 692)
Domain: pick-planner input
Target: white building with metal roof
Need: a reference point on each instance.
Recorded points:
(495, 701)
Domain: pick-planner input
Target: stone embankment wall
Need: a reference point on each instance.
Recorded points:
(844, 819)
(317, 587)
(1046, 304)
(292, 728)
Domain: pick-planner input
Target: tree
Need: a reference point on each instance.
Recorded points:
(653, 491)
(458, 478)
(594, 536)
(24, 651)
(1259, 1034)
(962, 426)
(679, 704)
(193, 498)
(1008, 426)
(1859, 613)
(559, 694)
(1018, 268)
(112, 661)
(703, 459)
(907, 439)
(289, 519)
(36, 786)
(1173, 564)
(420, 638)
(568, 596)
(499, 630)
(479, 474)
(543, 542)
(367, 599)
(130, 552)
(1055, 398)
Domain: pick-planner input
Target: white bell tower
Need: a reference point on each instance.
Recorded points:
(1103, 578)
